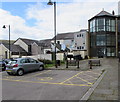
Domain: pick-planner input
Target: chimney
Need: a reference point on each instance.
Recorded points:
(113, 13)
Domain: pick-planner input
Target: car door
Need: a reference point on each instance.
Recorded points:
(26, 65)
(34, 64)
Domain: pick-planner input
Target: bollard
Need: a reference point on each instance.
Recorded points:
(66, 63)
(90, 64)
(78, 64)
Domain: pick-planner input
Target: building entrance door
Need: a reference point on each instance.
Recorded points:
(101, 52)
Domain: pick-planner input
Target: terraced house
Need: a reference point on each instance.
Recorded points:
(104, 34)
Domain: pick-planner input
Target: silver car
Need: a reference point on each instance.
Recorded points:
(22, 65)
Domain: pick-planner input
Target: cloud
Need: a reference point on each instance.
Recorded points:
(71, 17)
(18, 27)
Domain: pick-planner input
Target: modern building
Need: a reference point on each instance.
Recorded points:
(104, 35)
(81, 43)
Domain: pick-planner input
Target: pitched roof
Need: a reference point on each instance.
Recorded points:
(104, 13)
(45, 43)
(64, 36)
(29, 41)
(14, 48)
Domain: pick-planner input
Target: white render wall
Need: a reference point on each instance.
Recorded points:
(22, 44)
(2, 51)
(40, 56)
(81, 41)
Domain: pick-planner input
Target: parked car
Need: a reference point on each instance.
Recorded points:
(20, 66)
(7, 60)
(2, 65)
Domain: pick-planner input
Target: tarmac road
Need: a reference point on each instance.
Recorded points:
(48, 85)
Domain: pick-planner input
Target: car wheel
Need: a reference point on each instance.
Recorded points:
(9, 73)
(20, 72)
(41, 68)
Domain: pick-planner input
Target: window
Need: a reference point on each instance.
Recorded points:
(111, 52)
(82, 47)
(58, 42)
(32, 61)
(24, 61)
(100, 40)
(111, 40)
(102, 24)
(92, 40)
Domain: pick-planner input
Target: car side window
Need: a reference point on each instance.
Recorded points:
(32, 61)
(24, 61)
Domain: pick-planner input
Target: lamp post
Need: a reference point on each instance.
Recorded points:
(4, 26)
(54, 3)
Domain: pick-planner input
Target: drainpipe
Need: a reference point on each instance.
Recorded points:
(116, 37)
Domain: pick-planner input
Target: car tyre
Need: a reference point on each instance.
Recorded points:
(41, 68)
(20, 72)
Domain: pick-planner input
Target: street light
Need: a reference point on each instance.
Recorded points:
(54, 3)
(4, 26)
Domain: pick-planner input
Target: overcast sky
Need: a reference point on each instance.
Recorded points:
(34, 20)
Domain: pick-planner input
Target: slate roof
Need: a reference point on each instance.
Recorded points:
(29, 41)
(45, 43)
(14, 48)
(104, 13)
(64, 36)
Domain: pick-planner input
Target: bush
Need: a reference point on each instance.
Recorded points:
(45, 61)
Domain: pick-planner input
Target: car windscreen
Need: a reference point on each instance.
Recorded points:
(13, 62)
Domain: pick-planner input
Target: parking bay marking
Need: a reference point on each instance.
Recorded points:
(71, 77)
(35, 75)
(61, 83)
(90, 76)
(84, 80)
(45, 78)
(48, 83)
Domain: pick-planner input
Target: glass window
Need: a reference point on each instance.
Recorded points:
(93, 40)
(24, 61)
(100, 40)
(32, 61)
(111, 52)
(111, 40)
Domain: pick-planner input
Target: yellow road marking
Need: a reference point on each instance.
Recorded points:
(36, 74)
(90, 76)
(71, 77)
(84, 80)
(48, 83)
(45, 78)
(94, 72)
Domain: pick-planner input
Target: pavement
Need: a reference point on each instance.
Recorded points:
(108, 87)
